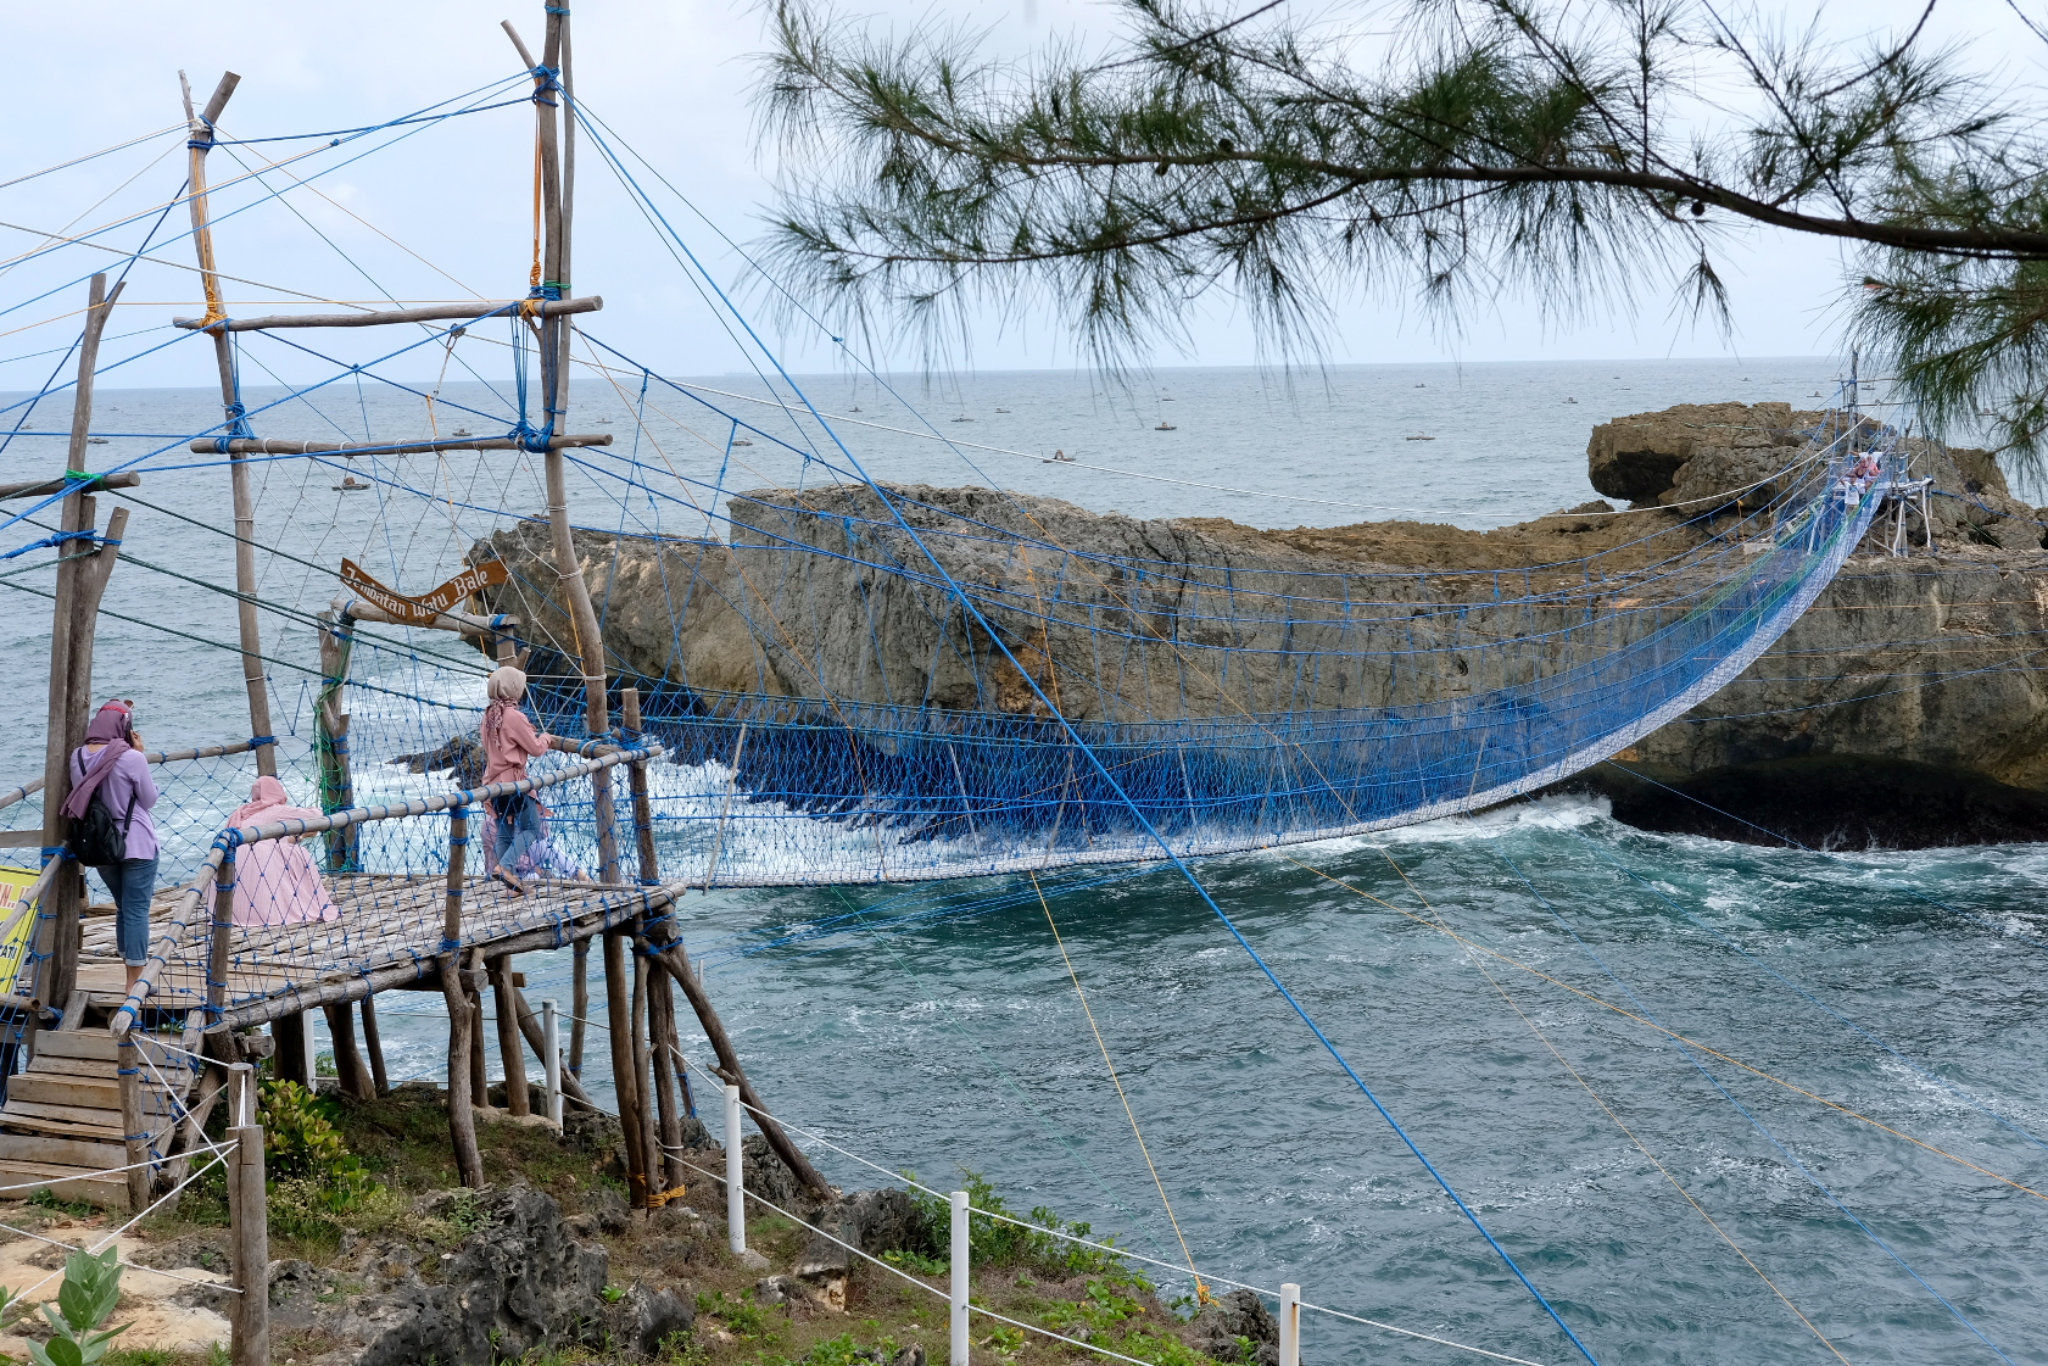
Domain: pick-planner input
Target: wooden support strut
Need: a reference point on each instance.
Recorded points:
(251, 639)
(518, 1101)
(43, 488)
(678, 965)
(480, 310)
(380, 1080)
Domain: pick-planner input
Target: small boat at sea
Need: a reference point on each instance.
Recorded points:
(1569, 399)
(1165, 426)
(1002, 410)
(1418, 437)
(462, 431)
(1059, 458)
(963, 418)
(350, 484)
(95, 441)
(742, 442)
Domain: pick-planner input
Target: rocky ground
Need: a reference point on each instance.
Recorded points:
(1906, 708)
(547, 1266)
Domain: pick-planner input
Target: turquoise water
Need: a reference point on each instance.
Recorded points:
(933, 1034)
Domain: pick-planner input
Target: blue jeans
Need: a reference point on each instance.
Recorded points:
(131, 883)
(514, 835)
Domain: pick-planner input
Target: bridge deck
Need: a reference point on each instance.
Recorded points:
(388, 923)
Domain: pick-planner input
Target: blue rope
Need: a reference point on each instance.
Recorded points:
(969, 605)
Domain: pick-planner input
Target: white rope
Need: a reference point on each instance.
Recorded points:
(1175, 1267)
(123, 1261)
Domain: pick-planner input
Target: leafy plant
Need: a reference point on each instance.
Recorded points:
(92, 1286)
(301, 1142)
(1036, 1242)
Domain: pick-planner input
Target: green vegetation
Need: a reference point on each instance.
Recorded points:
(85, 1301)
(998, 1244)
(1461, 150)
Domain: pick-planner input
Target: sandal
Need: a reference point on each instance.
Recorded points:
(505, 876)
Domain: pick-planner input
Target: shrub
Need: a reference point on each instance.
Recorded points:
(996, 1243)
(300, 1142)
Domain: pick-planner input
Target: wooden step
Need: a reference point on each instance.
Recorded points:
(82, 1153)
(108, 1130)
(100, 1046)
(17, 1108)
(44, 1064)
(44, 1088)
(66, 1183)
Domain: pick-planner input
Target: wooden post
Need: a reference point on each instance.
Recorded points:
(510, 1049)
(678, 965)
(473, 992)
(250, 1342)
(579, 1005)
(330, 721)
(380, 1081)
(662, 1040)
(350, 1075)
(536, 1037)
(618, 1006)
(71, 635)
(643, 809)
(289, 1057)
(217, 952)
(469, 1161)
(134, 1130)
(200, 143)
(650, 1138)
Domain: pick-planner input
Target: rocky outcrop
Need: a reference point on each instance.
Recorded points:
(1910, 676)
(1236, 1327)
(522, 1283)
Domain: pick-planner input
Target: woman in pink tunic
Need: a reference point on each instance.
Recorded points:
(276, 881)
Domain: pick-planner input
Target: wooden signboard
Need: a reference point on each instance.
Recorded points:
(423, 611)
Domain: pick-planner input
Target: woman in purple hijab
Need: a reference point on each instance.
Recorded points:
(111, 763)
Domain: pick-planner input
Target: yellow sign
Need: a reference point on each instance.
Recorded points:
(17, 922)
(423, 611)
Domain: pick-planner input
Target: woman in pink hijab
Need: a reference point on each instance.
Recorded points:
(276, 881)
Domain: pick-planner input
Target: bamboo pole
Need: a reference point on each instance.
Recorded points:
(217, 950)
(43, 488)
(200, 143)
(480, 310)
(71, 634)
(636, 781)
(289, 1060)
(473, 993)
(579, 1005)
(530, 1026)
(254, 445)
(510, 1050)
(678, 965)
(469, 1161)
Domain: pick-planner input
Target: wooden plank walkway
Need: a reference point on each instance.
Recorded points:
(388, 934)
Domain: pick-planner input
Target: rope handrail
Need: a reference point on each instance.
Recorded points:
(155, 756)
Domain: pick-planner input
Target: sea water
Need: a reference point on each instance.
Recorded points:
(1602, 1038)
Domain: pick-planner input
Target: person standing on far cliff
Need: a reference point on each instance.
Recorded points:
(509, 741)
(111, 769)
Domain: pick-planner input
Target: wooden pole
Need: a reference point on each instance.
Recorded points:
(200, 143)
(536, 1036)
(217, 949)
(678, 965)
(71, 634)
(643, 1061)
(288, 1032)
(636, 780)
(579, 1005)
(135, 1133)
(479, 1078)
(482, 308)
(350, 1074)
(330, 722)
(625, 1079)
(469, 1161)
(250, 1345)
(510, 1050)
(380, 1081)
(662, 1040)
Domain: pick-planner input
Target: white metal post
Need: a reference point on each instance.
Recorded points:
(551, 1064)
(1290, 1324)
(735, 1181)
(961, 1237)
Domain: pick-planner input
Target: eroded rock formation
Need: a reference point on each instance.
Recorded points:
(1911, 677)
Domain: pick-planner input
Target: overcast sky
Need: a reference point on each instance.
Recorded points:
(674, 79)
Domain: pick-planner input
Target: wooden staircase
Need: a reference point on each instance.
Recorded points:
(61, 1129)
